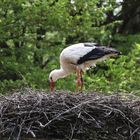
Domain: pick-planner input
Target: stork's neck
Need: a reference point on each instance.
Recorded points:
(60, 73)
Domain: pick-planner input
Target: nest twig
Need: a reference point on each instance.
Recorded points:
(31, 113)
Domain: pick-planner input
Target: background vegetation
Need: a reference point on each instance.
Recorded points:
(33, 33)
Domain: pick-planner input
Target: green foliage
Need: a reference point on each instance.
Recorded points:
(29, 22)
(19, 70)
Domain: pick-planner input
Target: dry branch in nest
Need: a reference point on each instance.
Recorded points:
(31, 113)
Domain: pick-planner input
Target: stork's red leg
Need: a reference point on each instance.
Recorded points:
(79, 79)
(77, 82)
(81, 82)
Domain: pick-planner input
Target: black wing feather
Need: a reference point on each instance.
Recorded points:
(95, 54)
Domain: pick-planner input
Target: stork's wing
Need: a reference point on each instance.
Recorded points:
(94, 54)
(82, 52)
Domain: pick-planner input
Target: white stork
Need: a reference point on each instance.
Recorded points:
(78, 57)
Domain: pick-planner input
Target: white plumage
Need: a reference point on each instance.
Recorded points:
(74, 52)
(78, 57)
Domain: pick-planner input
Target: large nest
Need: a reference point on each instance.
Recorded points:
(30, 113)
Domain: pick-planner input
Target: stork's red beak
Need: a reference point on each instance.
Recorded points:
(52, 85)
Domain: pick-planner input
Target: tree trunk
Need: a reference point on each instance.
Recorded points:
(131, 17)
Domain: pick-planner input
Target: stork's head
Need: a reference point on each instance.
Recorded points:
(52, 79)
(55, 75)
